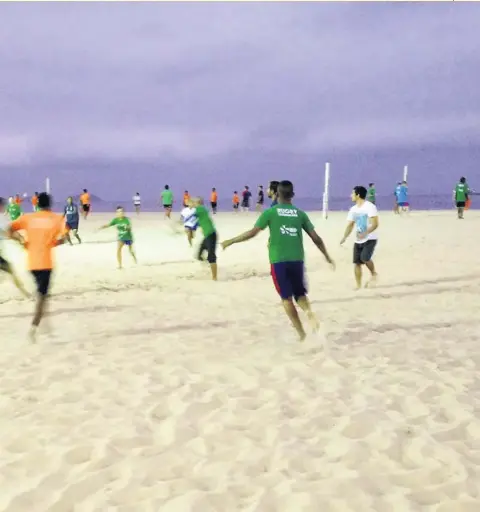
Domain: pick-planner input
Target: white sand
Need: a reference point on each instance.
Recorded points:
(163, 391)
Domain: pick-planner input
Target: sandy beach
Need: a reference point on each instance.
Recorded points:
(162, 391)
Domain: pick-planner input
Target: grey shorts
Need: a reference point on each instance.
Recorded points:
(363, 252)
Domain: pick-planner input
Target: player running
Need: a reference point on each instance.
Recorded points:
(124, 234)
(189, 220)
(286, 252)
(44, 230)
(86, 203)
(167, 201)
(371, 193)
(209, 242)
(35, 202)
(14, 209)
(72, 219)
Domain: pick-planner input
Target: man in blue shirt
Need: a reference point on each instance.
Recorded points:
(72, 218)
(395, 193)
(402, 197)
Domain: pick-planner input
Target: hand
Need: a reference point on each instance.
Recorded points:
(342, 241)
(226, 244)
(361, 236)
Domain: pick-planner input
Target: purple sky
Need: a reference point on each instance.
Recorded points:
(119, 97)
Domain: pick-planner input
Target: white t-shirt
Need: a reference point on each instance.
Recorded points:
(3, 226)
(189, 218)
(136, 199)
(362, 216)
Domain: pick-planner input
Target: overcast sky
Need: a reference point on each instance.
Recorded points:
(122, 96)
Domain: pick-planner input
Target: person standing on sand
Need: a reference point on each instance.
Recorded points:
(209, 242)
(402, 198)
(137, 203)
(235, 201)
(214, 200)
(167, 201)
(286, 252)
(124, 234)
(44, 230)
(72, 219)
(396, 193)
(272, 192)
(260, 198)
(246, 195)
(86, 203)
(35, 202)
(371, 194)
(5, 265)
(364, 217)
(460, 196)
(186, 199)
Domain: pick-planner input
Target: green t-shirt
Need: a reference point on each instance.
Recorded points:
(167, 197)
(124, 228)
(14, 211)
(461, 192)
(204, 220)
(286, 223)
(371, 194)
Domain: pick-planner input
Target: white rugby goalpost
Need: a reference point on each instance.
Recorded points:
(47, 185)
(326, 191)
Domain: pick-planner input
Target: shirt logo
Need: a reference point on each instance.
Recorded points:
(285, 230)
(287, 212)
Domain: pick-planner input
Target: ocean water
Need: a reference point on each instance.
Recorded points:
(417, 202)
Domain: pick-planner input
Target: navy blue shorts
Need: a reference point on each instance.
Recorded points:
(71, 225)
(289, 279)
(126, 242)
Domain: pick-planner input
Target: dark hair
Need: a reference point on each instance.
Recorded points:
(36, 193)
(360, 191)
(85, 190)
(235, 192)
(246, 187)
(462, 179)
(273, 186)
(260, 186)
(213, 189)
(166, 187)
(44, 200)
(285, 190)
(119, 208)
(371, 184)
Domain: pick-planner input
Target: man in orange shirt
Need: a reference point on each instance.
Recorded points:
(186, 199)
(18, 199)
(44, 230)
(35, 202)
(213, 200)
(235, 201)
(85, 202)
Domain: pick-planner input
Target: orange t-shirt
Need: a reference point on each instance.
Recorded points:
(236, 199)
(18, 200)
(43, 229)
(34, 200)
(186, 198)
(85, 198)
(213, 197)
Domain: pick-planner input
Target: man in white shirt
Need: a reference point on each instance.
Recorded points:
(137, 202)
(364, 217)
(190, 221)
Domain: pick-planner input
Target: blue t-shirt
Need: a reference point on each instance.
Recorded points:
(402, 196)
(71, 213)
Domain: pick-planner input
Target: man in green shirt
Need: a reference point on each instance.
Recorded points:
(460, 196)
(14, 210)
(371, 193)
(209, 242)
(286, 223)
(124, 234)
(167, 201)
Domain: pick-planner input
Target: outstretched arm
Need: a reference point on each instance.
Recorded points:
(248, 235)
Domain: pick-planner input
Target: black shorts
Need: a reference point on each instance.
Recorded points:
(461, 204)
(209, 245)
(235, 206)
(213, 205)
(4, 265)
(42, 280)
(86, 208)
(363, 252)
(167, 206)
(245, 205)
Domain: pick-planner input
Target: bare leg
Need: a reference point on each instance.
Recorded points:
(370, 265)
(19, 284)
(119, 254)
(358, 276)
(304, 304)
(37, 317)
(69, 240)
(75, 232)
(292, 314)
(132, 253)
(214, 270)
(189, 237)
